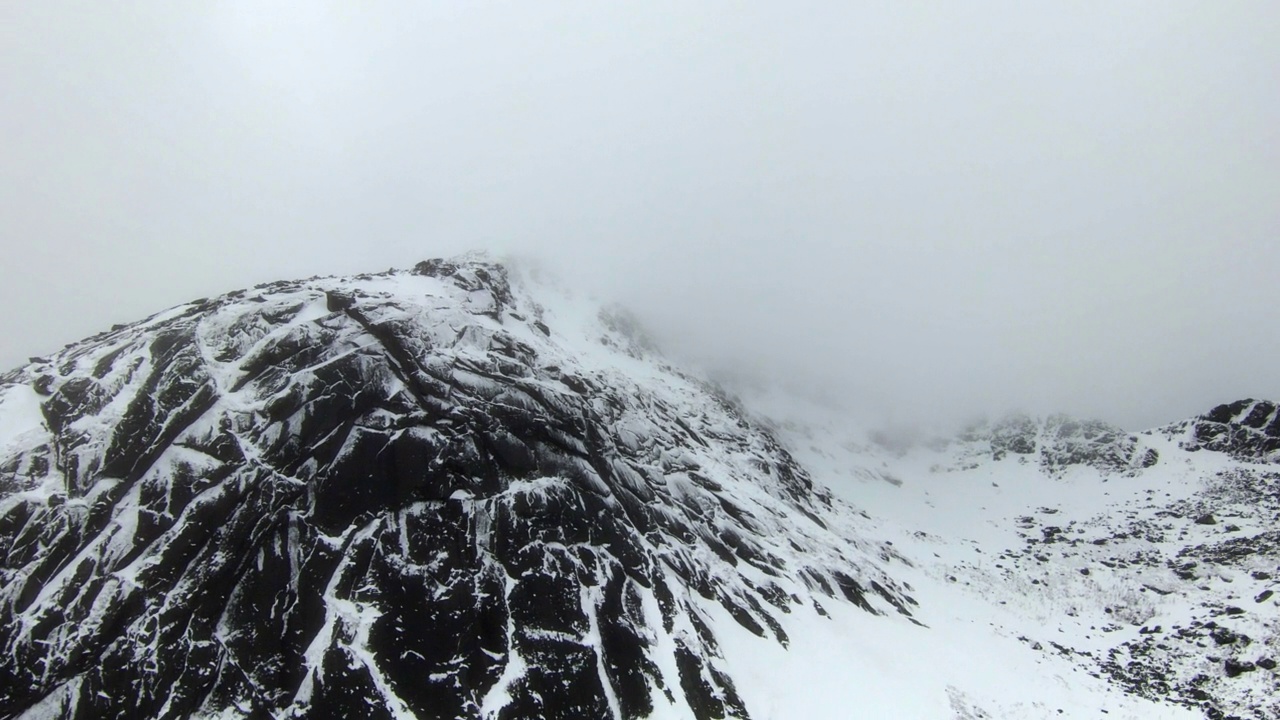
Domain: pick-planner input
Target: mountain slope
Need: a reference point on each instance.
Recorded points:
(1148, 561)
(414, 494)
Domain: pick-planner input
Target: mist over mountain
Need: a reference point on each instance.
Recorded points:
(939, 211)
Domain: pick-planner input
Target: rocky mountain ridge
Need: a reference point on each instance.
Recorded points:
(1059, 442)
(413, 494)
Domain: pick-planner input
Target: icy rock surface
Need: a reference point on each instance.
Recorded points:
(413, 494)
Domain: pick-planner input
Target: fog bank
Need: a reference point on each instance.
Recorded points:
(926, 211)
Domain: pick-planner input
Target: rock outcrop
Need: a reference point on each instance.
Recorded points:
(1246, 430)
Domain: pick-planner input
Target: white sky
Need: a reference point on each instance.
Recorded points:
(927, 208)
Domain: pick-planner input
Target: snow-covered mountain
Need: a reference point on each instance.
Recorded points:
(418, 493)
(459, 491)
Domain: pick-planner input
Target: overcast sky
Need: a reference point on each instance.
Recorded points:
(927, 207)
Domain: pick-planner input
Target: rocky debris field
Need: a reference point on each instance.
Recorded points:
(1172, 590)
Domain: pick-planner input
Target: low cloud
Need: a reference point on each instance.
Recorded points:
(924, 213)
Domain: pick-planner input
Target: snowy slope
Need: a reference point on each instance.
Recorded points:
(1082, 568)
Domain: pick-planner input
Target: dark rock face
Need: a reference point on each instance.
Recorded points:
(389, 495)
(1247, 430)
